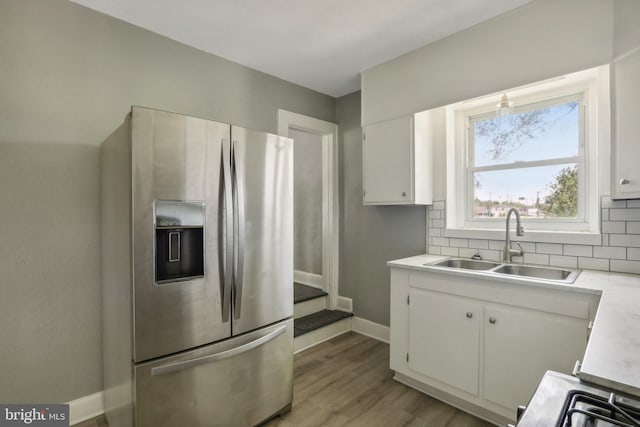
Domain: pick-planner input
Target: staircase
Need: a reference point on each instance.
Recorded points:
(313, 322)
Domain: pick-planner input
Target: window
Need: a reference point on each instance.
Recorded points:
(540, 159)
(532, 160)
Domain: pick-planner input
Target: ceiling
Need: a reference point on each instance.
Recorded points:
(319, 44)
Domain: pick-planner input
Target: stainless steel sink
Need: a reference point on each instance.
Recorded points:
(545, 273)
(562, 275)
(467, 264)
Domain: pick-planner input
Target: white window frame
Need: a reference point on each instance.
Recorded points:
(592, 86)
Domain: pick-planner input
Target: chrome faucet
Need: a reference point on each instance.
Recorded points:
(508, 251)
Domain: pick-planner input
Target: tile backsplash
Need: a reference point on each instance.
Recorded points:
(619, 251)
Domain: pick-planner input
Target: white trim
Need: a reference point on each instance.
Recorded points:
(86, 407)
(309, 279)
(370, 329)
(330, 192)
(344, 304)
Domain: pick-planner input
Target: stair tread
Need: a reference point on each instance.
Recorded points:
(317, 320)
(303, 293)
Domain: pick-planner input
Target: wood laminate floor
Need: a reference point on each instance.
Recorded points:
(346, 381)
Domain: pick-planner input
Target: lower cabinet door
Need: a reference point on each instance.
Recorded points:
(444, 338)
(238, 382)
(521, 345)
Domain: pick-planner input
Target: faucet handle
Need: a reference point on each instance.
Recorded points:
(520, 247)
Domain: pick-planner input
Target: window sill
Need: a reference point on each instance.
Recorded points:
(576, 238)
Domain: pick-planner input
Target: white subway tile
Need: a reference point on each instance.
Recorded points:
(435, 214)
(435, 232)
(608, 203)
(633, 203)
(440, 241)
(605, 240)
(516, 259)
(604, 216)
(609, 252)
(466, 252)
(434, 250)
(625, 240)
(526, 246)
(458, 243)
(438, 204)
(449, 251)
(614, 227)
(628, 214)
(496, 245)
(531, 258)
(563, 261)
(625, 266)
(490, 255)
(549, 248)
(633, 227)
(578, 250)
(593, 263)
(478, 244)
(633, 254)
(437, 223)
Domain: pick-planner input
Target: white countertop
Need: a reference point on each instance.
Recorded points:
(612, 357)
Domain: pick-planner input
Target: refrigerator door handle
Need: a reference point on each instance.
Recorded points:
(186, 364)
(238, 176)
(226, 260)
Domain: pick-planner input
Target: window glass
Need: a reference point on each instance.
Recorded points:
(542, 133)
(530, 159)
(543, 192)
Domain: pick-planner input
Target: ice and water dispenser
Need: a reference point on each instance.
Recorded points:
(179, 233)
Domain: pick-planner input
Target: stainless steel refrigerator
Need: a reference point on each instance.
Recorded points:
(197, 272)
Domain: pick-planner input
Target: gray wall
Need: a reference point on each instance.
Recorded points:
(50, 303)
(370, 235)
(307, 201)
(69, 76)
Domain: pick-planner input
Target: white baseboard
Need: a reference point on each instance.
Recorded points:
(344, 304)
(370, 329)
(309, 279)
(85, 408)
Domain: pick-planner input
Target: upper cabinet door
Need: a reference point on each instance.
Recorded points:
(625, 127)
(397, 162)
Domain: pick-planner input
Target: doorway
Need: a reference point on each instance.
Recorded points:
(315, 200)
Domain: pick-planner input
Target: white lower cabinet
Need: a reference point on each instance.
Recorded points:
(520, 345)
(444, 338)
(480, 345)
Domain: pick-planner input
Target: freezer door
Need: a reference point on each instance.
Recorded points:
(238, 382)
(262, 166)
(178, 169)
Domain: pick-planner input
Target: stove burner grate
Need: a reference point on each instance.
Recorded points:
(597, 408)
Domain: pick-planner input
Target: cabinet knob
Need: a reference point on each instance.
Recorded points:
(492, 320)
(469, 315)
(624, 181)
(404, 194)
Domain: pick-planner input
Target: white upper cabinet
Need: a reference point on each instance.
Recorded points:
(397, 162)
(625, 127)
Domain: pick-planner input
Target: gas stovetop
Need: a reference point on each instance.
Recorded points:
(584, 408)
(563, 401)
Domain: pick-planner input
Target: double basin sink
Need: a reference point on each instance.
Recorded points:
(514, 270)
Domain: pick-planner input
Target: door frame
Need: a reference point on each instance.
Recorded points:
(330, 192)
